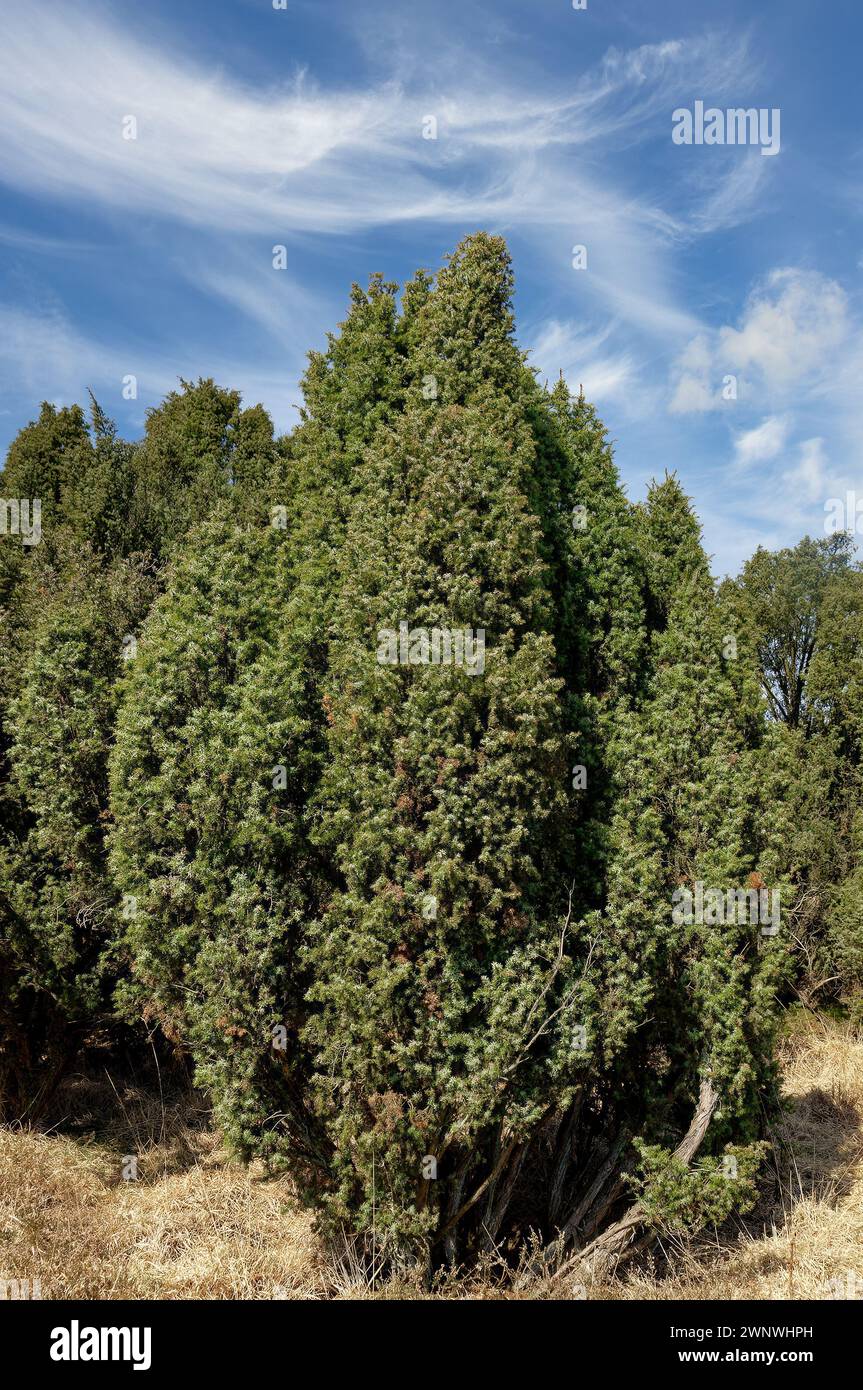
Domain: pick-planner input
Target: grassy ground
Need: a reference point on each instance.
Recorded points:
(194, 1225)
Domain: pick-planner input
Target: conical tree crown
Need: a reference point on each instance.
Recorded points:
(672, 549)
(232, 659)
(200, 446)
(438, 745)
(47, 456)
(463, 344)
(446, 772)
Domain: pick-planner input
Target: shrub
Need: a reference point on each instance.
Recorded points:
(450, 884)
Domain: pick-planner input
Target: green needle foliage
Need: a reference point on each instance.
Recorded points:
(73, 605)
(59, 911)
(229, 679)
(422, 789)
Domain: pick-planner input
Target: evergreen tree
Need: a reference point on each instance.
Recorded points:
(446, 873)
(224, 887)
(48, 459)
(73, 607)
(428, 1001)
(204, 847)
(686, 1009)
(431, 962)
(200, 446)
(414, 758)
(59, 919)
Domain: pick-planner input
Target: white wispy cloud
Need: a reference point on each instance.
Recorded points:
(790, 334)
(584, 359)
(47, 245)
(732, 195)
(225, 158)
(44, 357)
(276, 301)
(763, 442)
(809, 479)
(213, 151)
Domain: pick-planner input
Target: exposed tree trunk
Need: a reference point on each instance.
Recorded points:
(607, 1169)
(448, 1230)
(618, 1242)
(500, 1196)
(563, 1158)
(450, 1244)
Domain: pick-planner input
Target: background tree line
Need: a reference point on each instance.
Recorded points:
(413, 956)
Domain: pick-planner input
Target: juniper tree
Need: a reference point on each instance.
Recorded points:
(225, 878)
(58, 906)
(486, 1007)
(204, 847)
(49, 463)
(429, 963)
(272, 707)
(691, 1001)
(84, 478)
(46, 461)
(199, 446)
(598, 577)
(457, 990)
(74, 604)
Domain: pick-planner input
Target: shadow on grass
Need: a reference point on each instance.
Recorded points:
(134, 1106)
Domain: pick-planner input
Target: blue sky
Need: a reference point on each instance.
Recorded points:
(304, 128)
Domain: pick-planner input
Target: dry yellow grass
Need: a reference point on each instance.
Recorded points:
(807, 1229)
(194, 1225)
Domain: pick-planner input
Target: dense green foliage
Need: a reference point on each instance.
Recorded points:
(387, 768)
(804, 608)
(72, 606)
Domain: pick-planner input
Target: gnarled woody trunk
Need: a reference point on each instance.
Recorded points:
(620, 1240)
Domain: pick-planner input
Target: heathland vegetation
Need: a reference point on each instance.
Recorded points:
(424, 792)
